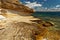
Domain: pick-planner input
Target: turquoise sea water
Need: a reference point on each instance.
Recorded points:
(49, 16)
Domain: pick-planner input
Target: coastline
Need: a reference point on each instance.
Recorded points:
(14, 18)
(17, 23)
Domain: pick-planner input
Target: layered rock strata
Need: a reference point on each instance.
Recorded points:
(15, 5)
(14, 26)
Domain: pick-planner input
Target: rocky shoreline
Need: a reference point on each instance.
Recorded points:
(14, 26)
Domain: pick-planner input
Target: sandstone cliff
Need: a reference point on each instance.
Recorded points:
(14, 26)
(15, 5)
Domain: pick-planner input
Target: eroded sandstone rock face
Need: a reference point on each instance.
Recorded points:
(21, 30)
(13, 26)
(18, 31)
(15, 5)
(16, 27)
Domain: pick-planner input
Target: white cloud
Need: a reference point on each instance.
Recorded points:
(33, 4)
(57, 5)
(27, 2)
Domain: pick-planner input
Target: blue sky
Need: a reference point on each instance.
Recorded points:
(43, 3)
